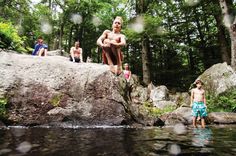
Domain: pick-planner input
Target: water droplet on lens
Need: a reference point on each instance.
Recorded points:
(24, 147)
(179, 128)
(76, 18)
(96, 21)
(174, 149)
(46, 28)
(138, 25)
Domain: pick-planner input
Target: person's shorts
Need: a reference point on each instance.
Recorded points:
(199, 109)
(76, 59)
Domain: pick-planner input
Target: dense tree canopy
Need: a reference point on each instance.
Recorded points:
(169, 42)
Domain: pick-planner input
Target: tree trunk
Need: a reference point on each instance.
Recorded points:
(61, 37)
(70, 38)
(141, 7)
(222, 40)
(231, 29)
(203, 50)
(145, 61)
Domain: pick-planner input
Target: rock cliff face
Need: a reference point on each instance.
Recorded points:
(52, 90)
(218, 79)
(42, 90)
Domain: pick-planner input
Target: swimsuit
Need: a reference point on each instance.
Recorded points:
(126, 74)
(199, 109)
(76, 59)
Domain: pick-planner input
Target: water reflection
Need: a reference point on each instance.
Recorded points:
(201, 136)
(178, 140)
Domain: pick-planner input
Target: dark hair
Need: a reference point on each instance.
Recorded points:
(198, 81)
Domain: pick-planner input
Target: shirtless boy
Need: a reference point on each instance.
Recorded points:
(111, 43)
(76, 53)
(198, 103)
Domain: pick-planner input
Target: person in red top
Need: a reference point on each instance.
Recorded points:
(111, 43)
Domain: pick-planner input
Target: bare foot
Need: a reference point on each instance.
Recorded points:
(112, 69)
(119, 70)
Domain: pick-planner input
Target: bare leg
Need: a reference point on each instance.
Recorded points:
(119, 62)
(203, 123)
(194, 122)
(41, 51)
(45, 52)
(109, 61)
(117, 53)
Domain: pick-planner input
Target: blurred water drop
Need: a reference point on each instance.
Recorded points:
(161, 30)
(46, 28)
(96, 21)
(192, 2)
(138, 25)
(76, 18)
(179, 128)
(174, 149)
(24, 147)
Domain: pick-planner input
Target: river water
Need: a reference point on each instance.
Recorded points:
(118, 141)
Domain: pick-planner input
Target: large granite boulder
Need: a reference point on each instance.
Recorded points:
(185, 112)
(159, 93)
(182, 115)
(139, 94)
(58, 52)
(222, 118)
(218, 79)
(171, 119)
(180, 98)
(42, 90)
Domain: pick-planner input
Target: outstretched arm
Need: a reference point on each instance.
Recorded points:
(191, 98)
(81, 55)
(72, 54)
(204, 99)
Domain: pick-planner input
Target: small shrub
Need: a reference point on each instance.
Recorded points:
(55, 101)
(3, 103)
(222, 103)
(154, 111)
(9, 39)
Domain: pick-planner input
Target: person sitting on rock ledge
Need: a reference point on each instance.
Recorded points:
(40, 49)
(111, 42)
(127, 72)
(76, 53)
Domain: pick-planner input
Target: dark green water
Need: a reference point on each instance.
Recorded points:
(120, 141)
